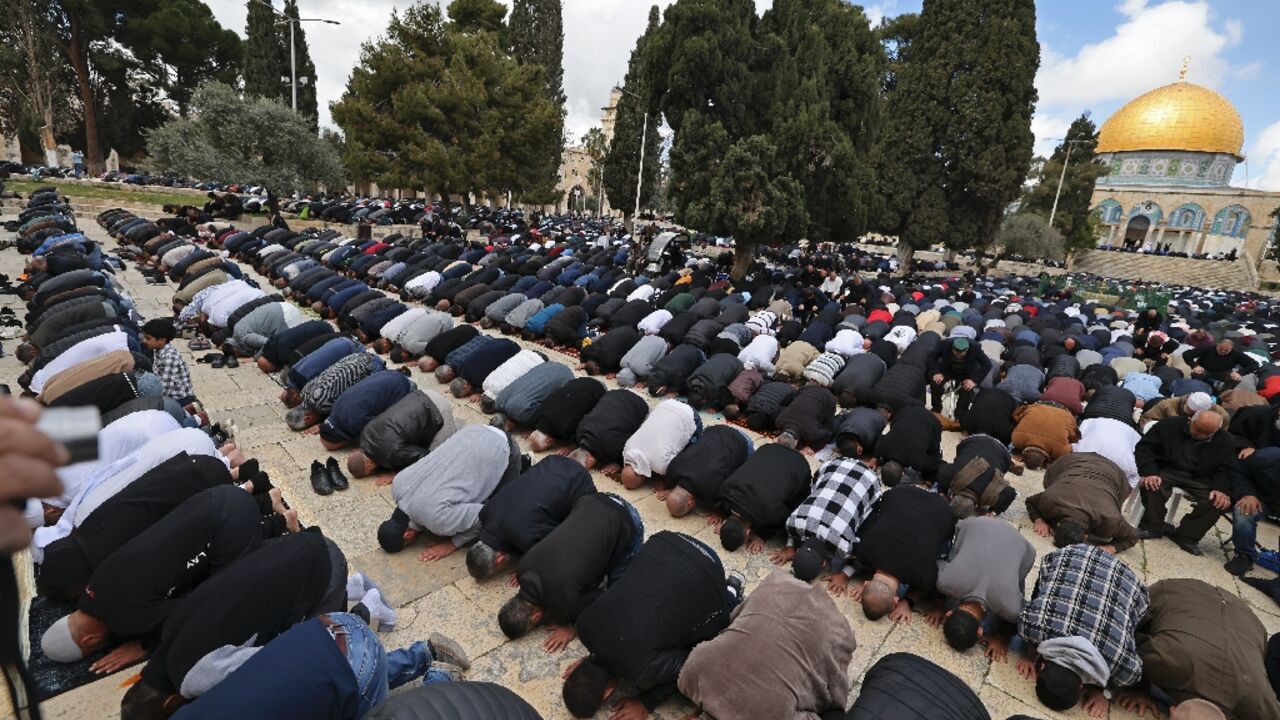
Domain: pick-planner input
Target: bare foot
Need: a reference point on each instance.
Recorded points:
(247, 486)
(277, 500)
(236, 458)
(291, 520)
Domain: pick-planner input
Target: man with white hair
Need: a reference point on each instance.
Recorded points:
(1191, 454)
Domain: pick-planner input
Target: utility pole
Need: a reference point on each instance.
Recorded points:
(1061, 179)
(644, 136)
(293, 46)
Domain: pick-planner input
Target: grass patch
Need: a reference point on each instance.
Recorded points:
(105, 192)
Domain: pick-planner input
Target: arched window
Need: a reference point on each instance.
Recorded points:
(1232, 221)
(1148, 209)
(1189, 216)
(1109, 211)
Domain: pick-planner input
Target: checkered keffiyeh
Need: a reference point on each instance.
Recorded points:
(844, 491)
(1085, 592)
(169, 366)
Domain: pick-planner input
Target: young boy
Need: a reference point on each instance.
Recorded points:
(158, 335)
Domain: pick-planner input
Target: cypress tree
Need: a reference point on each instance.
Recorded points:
(263, 66)
(1083, 171)
(622, 164)
(535, 33)
(957, 145)
(306, 69)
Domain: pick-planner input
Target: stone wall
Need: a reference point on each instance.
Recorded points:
(1191, 220)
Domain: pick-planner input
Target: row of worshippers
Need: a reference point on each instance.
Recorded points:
(170, 545)
(634, 472)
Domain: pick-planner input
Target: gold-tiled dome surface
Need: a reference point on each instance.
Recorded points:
(1181, 116)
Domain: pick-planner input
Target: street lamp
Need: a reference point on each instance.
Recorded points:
(644, 136)
(293, 49)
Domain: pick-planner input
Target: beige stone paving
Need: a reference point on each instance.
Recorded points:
(442, 597)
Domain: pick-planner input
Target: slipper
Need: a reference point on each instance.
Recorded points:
(199, 342)
(231, 361)
(218, 361)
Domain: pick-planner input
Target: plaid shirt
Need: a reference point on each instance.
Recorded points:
(1085, 592)
(169, 366)
(844, 492)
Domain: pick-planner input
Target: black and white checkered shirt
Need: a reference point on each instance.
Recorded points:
(844, 491)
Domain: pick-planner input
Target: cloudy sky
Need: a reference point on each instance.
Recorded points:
(1095, 55)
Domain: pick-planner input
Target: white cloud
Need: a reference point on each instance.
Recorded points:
(1144, 52)
(1264, 159)
(598, 38)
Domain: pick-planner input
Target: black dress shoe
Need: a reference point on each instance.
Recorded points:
(320, 479)
(336, 478)
(1144, 534)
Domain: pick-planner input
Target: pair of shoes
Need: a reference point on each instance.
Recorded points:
(218, 361)
(199, 342)
(1238, 565)
(327, 477)
(447, 650)
(1190, 547)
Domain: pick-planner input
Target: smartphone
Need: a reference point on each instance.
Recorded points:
(76, 428)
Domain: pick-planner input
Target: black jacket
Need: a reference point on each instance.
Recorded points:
(605, 430)
(527, 509)
(905, 534)
(767, 488)
(564, 572)
(702, 467)
(1168, 447)
(810, 416)
(402, 434)
(563, 410)
(455, 701)
(902, 686)
(642, 628)
(991, 413)
(914, 440)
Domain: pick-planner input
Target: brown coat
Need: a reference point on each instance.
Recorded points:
(1233, 400)
(1172, 407)
(1091, 489)
(795, 358)
(1050, 428)
(117, 361)
(784, 655)
(1200, 641)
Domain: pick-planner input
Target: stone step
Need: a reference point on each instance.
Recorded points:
(1154, 268)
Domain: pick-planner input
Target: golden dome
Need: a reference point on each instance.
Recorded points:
(1181, 116)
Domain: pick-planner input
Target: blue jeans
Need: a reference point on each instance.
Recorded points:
(378, 671)
(637, 541)
(1244, 532)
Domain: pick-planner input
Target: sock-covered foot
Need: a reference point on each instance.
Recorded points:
(380, 613)
(443, 672)
(355, 587)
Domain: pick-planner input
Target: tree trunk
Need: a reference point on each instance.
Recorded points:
(1071, 261)
(77, 49)
(950, 255)
(742, 259)
(905, 253)
(628, 222)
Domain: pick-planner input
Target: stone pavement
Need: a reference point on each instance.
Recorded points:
(442, 597)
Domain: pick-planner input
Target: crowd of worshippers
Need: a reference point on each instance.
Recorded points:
(1118, 408)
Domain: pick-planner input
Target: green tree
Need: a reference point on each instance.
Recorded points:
(597, 147)
(751, 200)
(183, 46)
(266, 59)
(257, 141)
(1082, 173)
(622, 164)
(441, 105)
(34, 79)
(478, 16)
(957, 143)
(798, 90)
(536, 37)
(1027, 235)
(305, 68)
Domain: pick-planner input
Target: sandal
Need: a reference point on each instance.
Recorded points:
(188, 333)
(199, 342)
